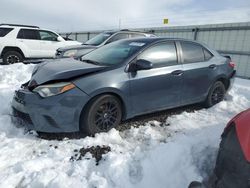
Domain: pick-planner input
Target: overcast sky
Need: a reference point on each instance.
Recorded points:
(83, 15)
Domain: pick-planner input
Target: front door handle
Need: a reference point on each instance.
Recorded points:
(212, 66)
(177, 72)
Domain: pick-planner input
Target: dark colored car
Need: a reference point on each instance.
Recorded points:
(233, 162)
(119, 81)
(98, 41)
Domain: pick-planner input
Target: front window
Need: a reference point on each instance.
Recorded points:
(47, 35)
(160, 55)
(114, 53)
(98, 39)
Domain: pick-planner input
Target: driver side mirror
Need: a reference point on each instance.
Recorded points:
(60, 39)
(195, 184)
(140, 64)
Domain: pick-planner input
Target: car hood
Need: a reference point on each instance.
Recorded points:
(77, 47)
(61, 69)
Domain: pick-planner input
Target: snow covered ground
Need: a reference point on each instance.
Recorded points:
(150, 155)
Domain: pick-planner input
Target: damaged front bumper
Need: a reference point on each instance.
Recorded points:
(55, 114)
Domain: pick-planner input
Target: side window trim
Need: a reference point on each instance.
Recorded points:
(108, 39)
(179, 52)
(211, 55)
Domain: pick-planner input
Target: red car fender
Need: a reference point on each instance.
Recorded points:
(242, 123)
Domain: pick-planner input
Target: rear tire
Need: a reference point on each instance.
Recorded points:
(216, 94)
(11, 57)
(101, 114)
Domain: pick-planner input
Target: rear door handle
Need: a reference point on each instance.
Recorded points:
(212, 66)
(177, 72)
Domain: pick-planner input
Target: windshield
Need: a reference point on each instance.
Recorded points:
(98, 39)
(113, 53)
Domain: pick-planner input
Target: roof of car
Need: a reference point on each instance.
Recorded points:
(19, 25)
(125, 31)
(155, 39)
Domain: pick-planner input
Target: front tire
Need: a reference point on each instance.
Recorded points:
(12, 57)
(216, 94)
(101, 114)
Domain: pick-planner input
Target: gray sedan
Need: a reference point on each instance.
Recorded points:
(99, 40)
(119, 81)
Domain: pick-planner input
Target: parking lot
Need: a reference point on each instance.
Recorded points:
(141, 156)
(125, 94)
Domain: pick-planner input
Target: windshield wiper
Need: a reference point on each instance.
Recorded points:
(90, 61)
(86, 44)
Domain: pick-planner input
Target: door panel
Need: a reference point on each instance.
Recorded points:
(49, 43)
(198, 72)
(197, 79)
(29, 39)
(48, 48)
(155, 89)
(159, 87)
(32, 47)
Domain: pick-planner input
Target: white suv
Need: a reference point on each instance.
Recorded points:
(19, 42)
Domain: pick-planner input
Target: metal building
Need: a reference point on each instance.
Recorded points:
(230, 39)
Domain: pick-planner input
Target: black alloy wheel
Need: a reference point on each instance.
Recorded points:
(12, 57)
(216, 94)
(101, 114)
(106, 115)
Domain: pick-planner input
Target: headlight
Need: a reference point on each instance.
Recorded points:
(53, 89)
(69, 53)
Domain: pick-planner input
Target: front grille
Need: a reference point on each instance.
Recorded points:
(23, 116)
(19, 95)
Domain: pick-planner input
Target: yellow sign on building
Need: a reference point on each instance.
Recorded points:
(165, 21)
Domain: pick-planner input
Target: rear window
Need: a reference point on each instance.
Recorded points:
(192, 52)
(30, 34)
(207, 54)
(5, 31)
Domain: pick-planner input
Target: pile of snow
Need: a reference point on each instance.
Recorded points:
(150, 155)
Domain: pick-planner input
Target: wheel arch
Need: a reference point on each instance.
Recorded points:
(12, 48)
(224, 79)
(113, 92)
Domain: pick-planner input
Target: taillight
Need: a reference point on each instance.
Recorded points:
(231, 64)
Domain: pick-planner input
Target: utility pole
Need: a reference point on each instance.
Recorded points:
(120, 23)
